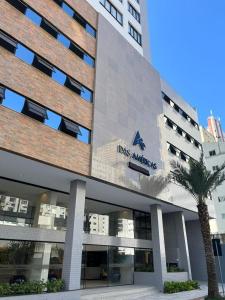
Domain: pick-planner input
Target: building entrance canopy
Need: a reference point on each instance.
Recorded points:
(22, 169)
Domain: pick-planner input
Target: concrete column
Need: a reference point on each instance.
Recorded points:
(74, 236)
(181, 234)
(159, 253)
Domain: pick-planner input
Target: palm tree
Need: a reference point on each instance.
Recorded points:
(200, 183)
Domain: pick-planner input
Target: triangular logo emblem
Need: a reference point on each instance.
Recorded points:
(139, 141)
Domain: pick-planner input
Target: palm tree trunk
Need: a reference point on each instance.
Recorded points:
(213, 290)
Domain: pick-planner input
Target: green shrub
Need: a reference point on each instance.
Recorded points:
(171, 287)
(5, 289)
(31, 287)
(55, 286)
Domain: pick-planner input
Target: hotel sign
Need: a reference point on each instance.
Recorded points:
(147, 164)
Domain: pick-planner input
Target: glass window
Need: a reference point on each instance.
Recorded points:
(121, 265)
(67, 9)
(64, 40)
(112, 10)
(29, 206)
(17, 103)
(30, 261)
(13, 101)
(143, 260)
(59, 76)
(105, 219)
(24, 54)
(95, 266)
(106, 266)
(33, 16)
(142, 225)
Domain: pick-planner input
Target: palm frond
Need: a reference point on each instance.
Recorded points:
(197, 180)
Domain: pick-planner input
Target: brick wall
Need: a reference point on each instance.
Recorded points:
(25, 136)
(54, 14)
(44, 44)
(34, 84)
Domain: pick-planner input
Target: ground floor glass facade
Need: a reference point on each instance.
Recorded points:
(106, 266)
(24, 206)
(30, 261)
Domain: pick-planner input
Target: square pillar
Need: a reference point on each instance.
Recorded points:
(159, 253)
(74, 236)
(181, 234)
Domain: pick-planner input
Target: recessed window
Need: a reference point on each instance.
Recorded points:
(169, 123)
(53, 31)
(2, 94)
(73, 14)
(179, 110)
(188, 138)
(135, 34)
(183, 156)
(212, 153)
(59, 2)
(7, 42)
(20, 104)
(73, 85)
(33, 59)
(21, 6)
(172, 150)
(69, 127)
(43, 65)
(134, 12)
(77, 50)
(175, 151)
(112, 10)
(176, 107)
(179, 130)
(49, 28)
(166, 98)
(215, 168)
(221, 199)
(35, 111)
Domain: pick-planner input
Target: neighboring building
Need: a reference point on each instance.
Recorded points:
(215, 128)
(86, 136)
(214, 154)
(181, 139)
(206, 136)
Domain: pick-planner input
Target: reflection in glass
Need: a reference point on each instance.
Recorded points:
(29, 206)
(95, 267)
(15, 211)
(144, 260)
(22, 260)
(106, 219)
(106, 266)
(142, 224)
(121, 265)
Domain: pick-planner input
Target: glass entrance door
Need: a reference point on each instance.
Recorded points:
(106, 266)
(95, 270)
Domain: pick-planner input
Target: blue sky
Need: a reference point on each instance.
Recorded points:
(188, 49)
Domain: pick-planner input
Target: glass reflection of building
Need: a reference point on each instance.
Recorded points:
(30, 206)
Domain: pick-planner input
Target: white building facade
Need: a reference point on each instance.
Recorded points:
(85, 147)
(214, 154)
(129, 18)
